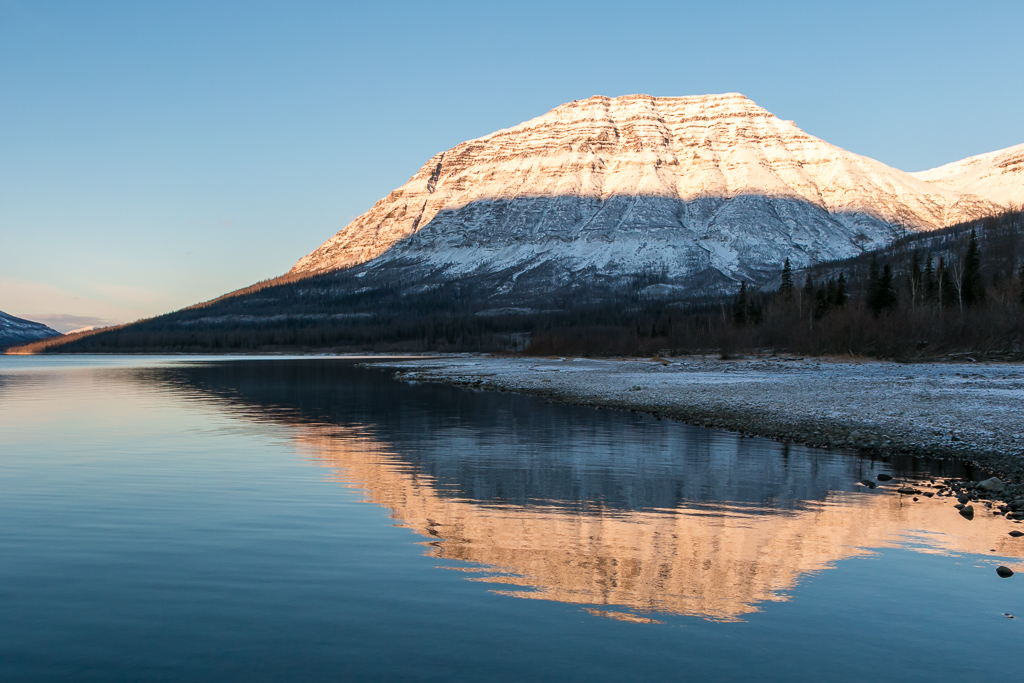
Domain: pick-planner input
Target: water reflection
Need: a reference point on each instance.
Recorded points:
(630, 517)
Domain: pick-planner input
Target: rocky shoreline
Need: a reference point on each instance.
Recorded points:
(968, 413)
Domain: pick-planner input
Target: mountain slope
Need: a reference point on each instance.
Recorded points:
(997, 176)
(18, 331)
(705, 190)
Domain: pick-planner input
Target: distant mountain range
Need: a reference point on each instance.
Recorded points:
(18, 331)
(599, 200)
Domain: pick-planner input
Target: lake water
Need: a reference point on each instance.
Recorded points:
(272, 519)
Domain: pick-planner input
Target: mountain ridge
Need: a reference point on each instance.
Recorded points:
(15, 330)
(997, 176)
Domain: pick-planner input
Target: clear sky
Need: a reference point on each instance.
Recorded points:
(155, 154)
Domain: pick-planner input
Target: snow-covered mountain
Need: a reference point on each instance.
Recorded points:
(997, 176)
(18, 331)
(703, 190)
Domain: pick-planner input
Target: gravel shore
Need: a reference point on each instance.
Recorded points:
(971, 412)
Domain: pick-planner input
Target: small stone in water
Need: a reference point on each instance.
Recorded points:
(968, 512)
(1004, 572)
(884, 477)
(867, 482)
(1017, 534)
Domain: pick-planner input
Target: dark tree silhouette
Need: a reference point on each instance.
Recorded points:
(841, 291)
(931, 285)
(740, 306)
(881, 293)
(972, 286)
(947, 289)
(786, 288)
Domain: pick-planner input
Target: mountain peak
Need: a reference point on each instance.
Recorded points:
(660, 113)
(616, 183)
(731, 100)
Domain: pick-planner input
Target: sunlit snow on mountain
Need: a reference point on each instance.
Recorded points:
(702, 190)
(997, 176)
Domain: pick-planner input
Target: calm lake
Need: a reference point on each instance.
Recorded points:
(177, 518)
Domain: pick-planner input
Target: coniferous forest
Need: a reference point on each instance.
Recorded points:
(953, 293)
(957, 292)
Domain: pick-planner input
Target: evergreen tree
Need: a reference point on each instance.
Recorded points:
(831, 293)
(931, 286)
(886, 291)
(872, 290)
(809, 289)
(947, 291)
(841, 291)
(786, 288)
(881, 294)
(753, 311)
(972, 287)
(740, 306)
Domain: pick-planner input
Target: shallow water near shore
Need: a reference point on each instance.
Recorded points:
(209, 518)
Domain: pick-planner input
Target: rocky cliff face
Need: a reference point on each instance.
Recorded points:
(706, 189)
(996, 176)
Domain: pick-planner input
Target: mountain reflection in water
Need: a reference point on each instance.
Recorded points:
(628, 516)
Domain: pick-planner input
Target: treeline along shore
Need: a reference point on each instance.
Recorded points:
(957, 291)
(952, 293)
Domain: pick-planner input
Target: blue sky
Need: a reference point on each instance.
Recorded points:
(155, 154)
